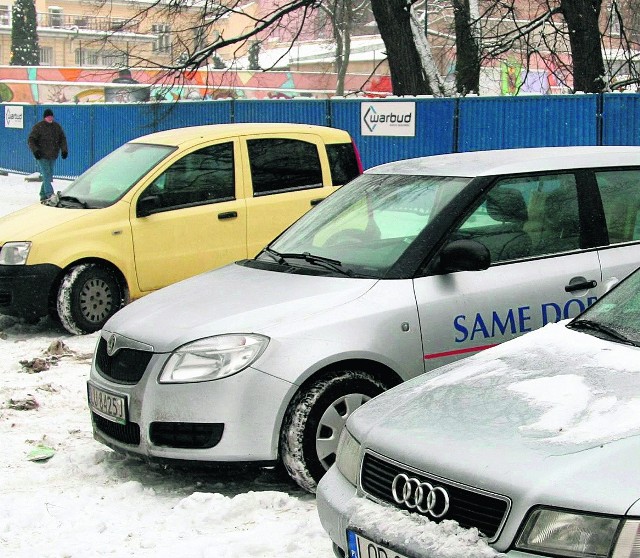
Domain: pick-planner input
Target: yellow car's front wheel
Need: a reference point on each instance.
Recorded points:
(88, 296)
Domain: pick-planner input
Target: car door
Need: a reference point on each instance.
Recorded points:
(539, 272)
(620, 194)
(190, 218)
(289, 175)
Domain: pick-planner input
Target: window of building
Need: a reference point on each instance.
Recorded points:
(163, 42)
(5, 15)
(46, 56)
(87, 57)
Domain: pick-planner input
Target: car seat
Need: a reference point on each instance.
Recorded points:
(508, 240)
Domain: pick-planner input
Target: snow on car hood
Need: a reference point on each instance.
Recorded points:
(552, 409)
(35, 219)
(232, 299)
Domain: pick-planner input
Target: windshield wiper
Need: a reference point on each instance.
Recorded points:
(601, 328)
(327, 263)
(71, 199)
(277, 256)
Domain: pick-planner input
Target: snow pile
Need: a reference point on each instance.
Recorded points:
(404, 532)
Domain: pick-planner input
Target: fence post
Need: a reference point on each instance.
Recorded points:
(456, 125)
(599, 118)
(92, 142)
(328, 113)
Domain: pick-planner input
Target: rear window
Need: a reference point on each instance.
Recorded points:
(343, 162)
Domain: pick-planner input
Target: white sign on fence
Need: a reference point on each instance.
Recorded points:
(13, 117)
(388, 119)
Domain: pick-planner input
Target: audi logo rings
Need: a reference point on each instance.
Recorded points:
(422, 496)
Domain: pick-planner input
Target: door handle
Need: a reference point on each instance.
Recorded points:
(316, 201)
(582, 285)
(227, 215)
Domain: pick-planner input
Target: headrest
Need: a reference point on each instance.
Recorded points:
(506, 205)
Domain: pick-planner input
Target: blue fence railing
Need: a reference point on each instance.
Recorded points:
(441, 125)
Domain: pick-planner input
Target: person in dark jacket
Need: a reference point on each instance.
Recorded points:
(46, 141)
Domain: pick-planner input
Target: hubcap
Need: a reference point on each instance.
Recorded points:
(96, 300)
(331, 423)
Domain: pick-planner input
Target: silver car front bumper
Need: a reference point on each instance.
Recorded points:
(247, 406)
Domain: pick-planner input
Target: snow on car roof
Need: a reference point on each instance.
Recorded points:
(510, 161)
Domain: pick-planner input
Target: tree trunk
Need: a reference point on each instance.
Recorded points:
(394, 23)
(584, 37)
(467, 49)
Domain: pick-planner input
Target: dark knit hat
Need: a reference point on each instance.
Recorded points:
(47, 112)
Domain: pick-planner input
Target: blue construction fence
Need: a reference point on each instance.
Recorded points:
(441, 125)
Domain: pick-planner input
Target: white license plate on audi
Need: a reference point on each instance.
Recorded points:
(359, 547)
(108, 405)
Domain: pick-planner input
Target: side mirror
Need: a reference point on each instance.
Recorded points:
(147, 205)
(464, 255)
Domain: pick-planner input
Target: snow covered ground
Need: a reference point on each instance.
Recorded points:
(64, 495)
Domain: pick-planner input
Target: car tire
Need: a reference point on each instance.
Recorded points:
(88, 296)
(313, 422)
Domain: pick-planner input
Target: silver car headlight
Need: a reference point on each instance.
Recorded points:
(14, 253)
(213, 358)
(576, 534)
(348, 457)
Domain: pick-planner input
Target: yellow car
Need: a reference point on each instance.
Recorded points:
(162, 208)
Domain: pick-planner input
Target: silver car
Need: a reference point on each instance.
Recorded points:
(413, 265)
(532, 447)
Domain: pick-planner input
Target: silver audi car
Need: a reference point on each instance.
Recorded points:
(528, 449)
(413, 265)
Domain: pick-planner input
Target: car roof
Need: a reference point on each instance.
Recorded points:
(196, 134)
(511, 161)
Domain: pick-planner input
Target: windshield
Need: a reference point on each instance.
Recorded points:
(110, 178)
(617, 315)
(368, 224)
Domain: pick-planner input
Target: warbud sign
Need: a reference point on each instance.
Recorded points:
(13, 117)
(388, 119)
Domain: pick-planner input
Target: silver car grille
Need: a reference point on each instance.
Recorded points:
(470, 507)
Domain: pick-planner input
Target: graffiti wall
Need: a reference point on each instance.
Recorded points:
(41, 85)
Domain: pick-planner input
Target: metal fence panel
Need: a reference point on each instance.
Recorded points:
(621, 119)
(508, 122)
(434, 130)
(192, 113)
(77, 122)
(14, 153)
(115, 125)
(303, 111)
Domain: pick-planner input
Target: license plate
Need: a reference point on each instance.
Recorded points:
(108, 405)
(359, 547)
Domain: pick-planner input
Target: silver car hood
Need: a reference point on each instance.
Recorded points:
(554, 414)
(232, 299)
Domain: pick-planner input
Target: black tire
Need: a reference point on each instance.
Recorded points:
(88, 296)
(313, 422)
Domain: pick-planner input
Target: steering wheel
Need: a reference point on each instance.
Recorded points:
(347, 236)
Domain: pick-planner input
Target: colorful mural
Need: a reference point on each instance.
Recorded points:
(79, 85)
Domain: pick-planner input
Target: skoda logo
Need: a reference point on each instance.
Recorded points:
(111, 344)
(419, 495)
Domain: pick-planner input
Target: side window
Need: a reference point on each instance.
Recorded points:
(620, 193)
(524, 217)
(343, 162)
(280, 165)
(204, 176)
